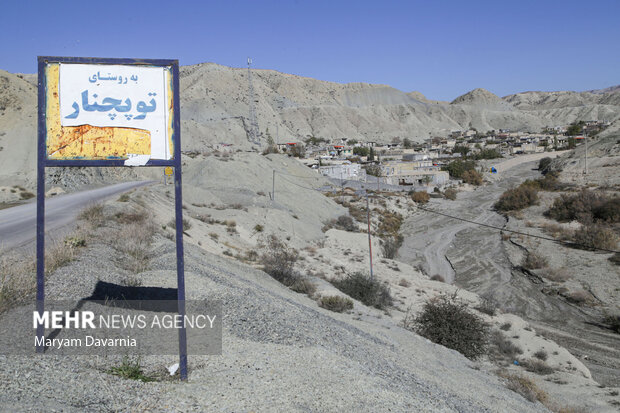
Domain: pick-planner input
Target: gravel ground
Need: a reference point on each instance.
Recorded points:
(281, 352)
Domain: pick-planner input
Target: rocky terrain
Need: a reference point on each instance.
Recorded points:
(214, 110)
(281, 349)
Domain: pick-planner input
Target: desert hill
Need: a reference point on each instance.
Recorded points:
(214, 109)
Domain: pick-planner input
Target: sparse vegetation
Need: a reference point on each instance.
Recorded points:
(258, 228)
(131, 369)
(537, 366)
(533, 261)
(487, 306)
(525, 387)
(421, 197)
(447, 321)
(369, 291)
(450, 194)
(186, 224)
(303, 286)
(390, 246)
(279, 260)
(92, 215)
(124, 198)
(541, 355)
(586, 207)
(517, 198)
(472, 177)
(504, 347)
(336, 303)
(595, 236)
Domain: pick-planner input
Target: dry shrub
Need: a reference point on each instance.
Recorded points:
(359, 214)
(556, 274)
(404, 283)
(558, 231)
(17, 279)
(303, 286)
(186, 224)
(92, 215)
(18, 271)
(541, 355)
(135, 245)
(595, 236)
(420, 197)
(472, 177)
(537, 366)
(346, 223)
(279, 259)
(613, 321)
(579, 297)
(447, 321)
(585, 206)
(525, 387)
(517, 198)
(487, 306)
(390, 246)
(369, 291)
(534, 261)
(450, 194)
(503, 347)
(389, 223)
(336, 303)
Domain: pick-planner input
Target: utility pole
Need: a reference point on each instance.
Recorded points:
(585, 137)
(369, 241)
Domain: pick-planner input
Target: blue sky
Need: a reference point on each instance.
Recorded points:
(440, 48)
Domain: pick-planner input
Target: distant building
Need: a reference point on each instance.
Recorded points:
(347, 170)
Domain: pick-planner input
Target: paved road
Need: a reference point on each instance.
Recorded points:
(18, 224)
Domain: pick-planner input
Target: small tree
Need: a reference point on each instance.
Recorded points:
(407, 143)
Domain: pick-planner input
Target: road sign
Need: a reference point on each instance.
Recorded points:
(168, 171)
(109, 112)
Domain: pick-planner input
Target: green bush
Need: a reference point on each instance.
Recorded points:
(458, 167)
(447, 321)
(369, 291)
(336, 303)
(488, 154)
(544, 164)
(517, 198)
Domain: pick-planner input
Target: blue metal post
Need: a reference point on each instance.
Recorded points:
(41, 156)
(178, 207)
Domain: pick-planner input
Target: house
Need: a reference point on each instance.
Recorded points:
(345, 170)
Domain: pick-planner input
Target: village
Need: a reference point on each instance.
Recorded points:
(422, 166)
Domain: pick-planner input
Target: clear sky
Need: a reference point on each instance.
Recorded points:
(440, 48)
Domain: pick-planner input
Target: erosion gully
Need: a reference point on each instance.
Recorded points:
(474, 258)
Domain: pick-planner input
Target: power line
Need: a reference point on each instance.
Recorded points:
(516, 232)
(301, 186)
(299, 176)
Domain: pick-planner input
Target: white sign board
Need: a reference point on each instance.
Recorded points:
(117, 96)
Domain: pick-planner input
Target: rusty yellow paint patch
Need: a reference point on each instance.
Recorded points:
(170, 103)
(87, 142)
